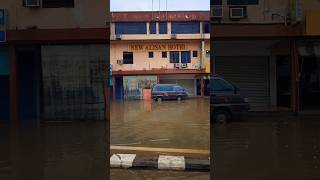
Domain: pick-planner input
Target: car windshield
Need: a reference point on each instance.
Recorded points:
(221, 85)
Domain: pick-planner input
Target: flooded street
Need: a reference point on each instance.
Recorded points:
(268, 148)
(119, 174)
(169, 124)
(66, 151)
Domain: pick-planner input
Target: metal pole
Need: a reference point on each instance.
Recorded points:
(159, 8)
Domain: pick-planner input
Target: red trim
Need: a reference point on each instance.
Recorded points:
(247, 31)
(159, 72)
(164, 16)
(79, 35)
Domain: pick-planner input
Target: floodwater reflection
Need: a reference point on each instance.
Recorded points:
(267, 148)
(69, 151)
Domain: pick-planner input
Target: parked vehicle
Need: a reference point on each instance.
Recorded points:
(226, 102)
(168, 91)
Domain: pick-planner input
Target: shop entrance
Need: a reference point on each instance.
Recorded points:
(28, 83)
(309, 83)
(283, 82)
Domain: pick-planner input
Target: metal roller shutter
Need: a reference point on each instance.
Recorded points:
(73, 81)
(250, 74)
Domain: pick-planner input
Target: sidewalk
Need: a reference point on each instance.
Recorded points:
(160, 162)
(159, 158)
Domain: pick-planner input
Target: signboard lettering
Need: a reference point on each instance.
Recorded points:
(157, 47)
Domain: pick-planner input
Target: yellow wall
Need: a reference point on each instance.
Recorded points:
(85, 14)
(143, 62)
(312, 22)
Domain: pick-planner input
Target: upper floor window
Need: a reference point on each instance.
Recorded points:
(174, 57)
(185, 57)
(131, 28)
(153, 28)
(164, 54)
(57, 3)
(216, 2)
(194, 53)
(185, 27)
(150, 54)
(206, 27)
(127, 57)
(163, 28)
(243, 2)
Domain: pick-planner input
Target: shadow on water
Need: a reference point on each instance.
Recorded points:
(268, 148)
(53, 151)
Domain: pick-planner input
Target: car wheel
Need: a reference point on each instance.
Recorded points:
(159, 99)
(221, 116)
(179, 98)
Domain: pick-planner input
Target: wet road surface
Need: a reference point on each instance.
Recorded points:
(268, 148)
(67, 151)
(169, 124)
(120, 174)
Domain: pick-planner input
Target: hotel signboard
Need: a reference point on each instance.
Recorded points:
(158, 47)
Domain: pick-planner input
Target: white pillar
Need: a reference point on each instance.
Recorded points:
(157, 28)
(148, 28)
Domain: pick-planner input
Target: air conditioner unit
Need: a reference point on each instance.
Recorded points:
(118, 36)
(120, 61)
(217, 11)
(184, 65)
(177, 65)
(237, 12)
(173, 36)
(32, 3)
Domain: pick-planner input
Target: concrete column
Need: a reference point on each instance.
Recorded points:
(157, 28)
(169, 27)
(113, 88)
(195, 86)
(273, 80)
(112, 29)
(202, 85)
(148, 27)
(294, 63)
(201, 28)
(203, 53)
(13, 85)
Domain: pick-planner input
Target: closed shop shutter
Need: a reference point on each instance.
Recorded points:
(250, 74)
(74, 77)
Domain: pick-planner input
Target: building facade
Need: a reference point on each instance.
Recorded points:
(51, 58)
(269, 49)
(159, 47)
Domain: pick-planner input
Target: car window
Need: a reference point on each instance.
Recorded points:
(221, 85)
(178, 88)
(168, 88)
(156, 88)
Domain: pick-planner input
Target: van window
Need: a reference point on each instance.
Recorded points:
(221, 85)
(168, 88)
(178, 88)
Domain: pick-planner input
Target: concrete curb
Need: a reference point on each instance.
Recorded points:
(161, 162)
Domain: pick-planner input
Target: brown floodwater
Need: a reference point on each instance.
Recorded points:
(169, 124)
(265, 148)
(127, 174)
(64, 151)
